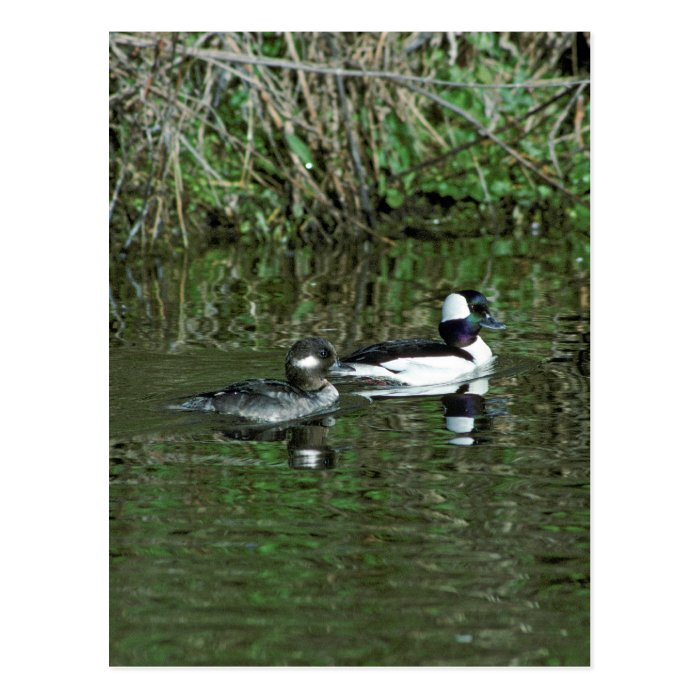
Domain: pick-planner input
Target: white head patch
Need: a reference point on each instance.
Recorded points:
(307, 362)
(455, 306)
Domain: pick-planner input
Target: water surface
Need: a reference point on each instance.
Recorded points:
(443, 529)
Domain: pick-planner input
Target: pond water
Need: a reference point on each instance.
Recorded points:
(449, 528)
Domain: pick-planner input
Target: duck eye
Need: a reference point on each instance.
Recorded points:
(323, 353)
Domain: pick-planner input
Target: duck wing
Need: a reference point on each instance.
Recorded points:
(391, 350)
(271, 388)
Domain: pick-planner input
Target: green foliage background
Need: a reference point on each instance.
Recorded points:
(252, 136)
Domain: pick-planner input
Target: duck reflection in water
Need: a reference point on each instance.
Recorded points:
(462, 409)
(306, 442)
(463, 403)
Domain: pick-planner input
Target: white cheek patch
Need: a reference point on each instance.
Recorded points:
(307, 362)
(455, 306)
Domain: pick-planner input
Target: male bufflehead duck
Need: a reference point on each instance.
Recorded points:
(271, 400)
(419, 362)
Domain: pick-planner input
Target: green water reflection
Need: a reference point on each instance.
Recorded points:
(375, 537)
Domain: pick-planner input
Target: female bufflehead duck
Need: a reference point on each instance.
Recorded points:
(270, 400)
(420, 362)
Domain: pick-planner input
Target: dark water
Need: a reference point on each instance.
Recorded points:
(445, 529)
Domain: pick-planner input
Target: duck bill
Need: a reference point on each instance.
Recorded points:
(490, 322)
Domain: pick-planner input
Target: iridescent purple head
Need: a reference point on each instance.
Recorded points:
(464, 314)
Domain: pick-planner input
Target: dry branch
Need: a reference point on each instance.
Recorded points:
(213, 54)
(211, 121)
(483, 131)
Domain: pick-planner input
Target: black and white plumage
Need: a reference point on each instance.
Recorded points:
(419, 362)
(306, 390)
